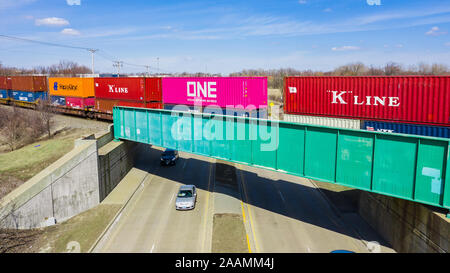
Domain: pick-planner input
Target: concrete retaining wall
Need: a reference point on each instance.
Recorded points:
(115, 160)
(408, 226)
(76, 182)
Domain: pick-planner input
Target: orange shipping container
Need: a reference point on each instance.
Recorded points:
(71, 87)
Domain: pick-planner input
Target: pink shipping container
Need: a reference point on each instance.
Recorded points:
(80, 103)
(234, 92)
(411, 99)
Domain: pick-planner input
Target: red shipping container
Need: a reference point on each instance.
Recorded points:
(79, 103)
(153, 88)
(3, 83)
(29, 83)
(135, 89)
(413, 99)
(8, 83)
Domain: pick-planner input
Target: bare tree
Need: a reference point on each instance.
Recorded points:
(46, 114)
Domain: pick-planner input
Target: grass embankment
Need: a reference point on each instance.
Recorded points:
(18, 166)
(82, 230)
(77, 234)
(229, 234)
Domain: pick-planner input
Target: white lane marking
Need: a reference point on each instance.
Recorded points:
(171, 199)
(153, 247)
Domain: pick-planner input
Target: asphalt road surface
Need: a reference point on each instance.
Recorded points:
(281, 213)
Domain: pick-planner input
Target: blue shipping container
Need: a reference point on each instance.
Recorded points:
(58, 100)
(403, 128)
(28, 96)
(5, 94)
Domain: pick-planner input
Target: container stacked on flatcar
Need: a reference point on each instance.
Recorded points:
(403, 104)
(5, 89)
(236, 96)
(133, 92)
(72, 95)
(28, 90)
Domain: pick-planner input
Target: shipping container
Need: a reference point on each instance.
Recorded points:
(3, 83)
(411, 99)
(79, 103)
(8, 83)
(255, 113)
(29, 83)
(134, 89)
(58, 100)
(404, 128)
(5, 94)
(106, 105)
(26, 96)
(234, 92)
(324, 121)
(71, 87)
(153, 87)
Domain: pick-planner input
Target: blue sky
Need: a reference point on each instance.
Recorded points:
(226, 36)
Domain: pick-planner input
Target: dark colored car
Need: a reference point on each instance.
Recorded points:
(169, 157)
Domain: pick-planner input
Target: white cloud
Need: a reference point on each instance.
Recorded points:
(434, 31)
(447, 44)
(346, 48)
(302, 2)
(73, 2)
(51, 21)
(70, 31)
(327, 10)
(399, 46)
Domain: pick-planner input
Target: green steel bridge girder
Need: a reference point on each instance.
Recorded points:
(409, 167)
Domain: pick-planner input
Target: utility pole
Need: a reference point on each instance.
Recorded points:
(157, 64)
(118, 64)
(92, 53)
(148, 69)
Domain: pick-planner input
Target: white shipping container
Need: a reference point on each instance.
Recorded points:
(325, 121)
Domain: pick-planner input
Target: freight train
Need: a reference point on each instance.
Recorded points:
(96, 97)
(393, 104)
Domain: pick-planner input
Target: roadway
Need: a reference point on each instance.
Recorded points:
(281, 213)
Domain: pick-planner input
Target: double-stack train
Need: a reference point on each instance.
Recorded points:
(394, 104)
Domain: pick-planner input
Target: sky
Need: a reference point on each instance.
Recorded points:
(225, 36)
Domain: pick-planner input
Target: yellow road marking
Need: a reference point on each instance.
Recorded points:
(249, 211)
(246, 234)
(243, 211)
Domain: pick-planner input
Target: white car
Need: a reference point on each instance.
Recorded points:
(186, 197)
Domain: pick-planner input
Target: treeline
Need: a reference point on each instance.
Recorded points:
(63, 68)
(353, 69)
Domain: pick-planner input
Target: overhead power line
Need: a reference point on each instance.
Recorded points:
(99, 52)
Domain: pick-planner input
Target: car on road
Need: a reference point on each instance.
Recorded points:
(169, 157)
(186, 197)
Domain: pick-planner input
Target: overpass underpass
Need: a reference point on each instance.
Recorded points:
(281, 212)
